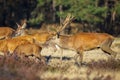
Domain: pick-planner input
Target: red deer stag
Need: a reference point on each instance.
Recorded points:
(81, 42)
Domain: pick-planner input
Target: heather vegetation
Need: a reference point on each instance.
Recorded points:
(13, 67)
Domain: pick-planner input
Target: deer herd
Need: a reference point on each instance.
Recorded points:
(22, 44)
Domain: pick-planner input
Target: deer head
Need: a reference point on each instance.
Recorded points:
(20, 29)
(55, 38)
(69, 18)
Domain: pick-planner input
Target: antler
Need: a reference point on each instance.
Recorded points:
(24, 25)
(67, 20)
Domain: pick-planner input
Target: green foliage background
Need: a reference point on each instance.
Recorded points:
(93, 12)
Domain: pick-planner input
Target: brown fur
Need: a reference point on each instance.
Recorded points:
(38, 38)
(41, 38)
(81, 42)
(7, 32)
(8, 45)
(28, 49)
(25, 37)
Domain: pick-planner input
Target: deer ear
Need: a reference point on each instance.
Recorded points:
(24, 25)
(18, 25)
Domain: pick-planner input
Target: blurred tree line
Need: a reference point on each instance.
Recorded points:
(103, 14)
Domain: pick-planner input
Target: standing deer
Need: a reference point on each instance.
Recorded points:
(81, 42)
(7, 32)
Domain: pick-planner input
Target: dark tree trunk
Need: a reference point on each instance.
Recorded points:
(54, 10)
(108, 24)
(61, 10)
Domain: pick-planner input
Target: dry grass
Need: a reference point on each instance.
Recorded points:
(14, 68)
(101, 70)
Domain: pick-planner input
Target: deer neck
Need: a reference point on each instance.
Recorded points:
(65, 42)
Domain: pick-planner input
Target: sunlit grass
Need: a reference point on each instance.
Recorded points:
(14, 68)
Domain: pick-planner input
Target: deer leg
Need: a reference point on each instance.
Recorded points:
(42, 59)
(7, 37)
(39, 57)
(1, 38)
(61, 51)
(79, 58)
(105, 46)
(75, 58)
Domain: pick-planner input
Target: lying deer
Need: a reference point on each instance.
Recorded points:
(29, 49)
(7, 32)
(9, 45)
(21, 47)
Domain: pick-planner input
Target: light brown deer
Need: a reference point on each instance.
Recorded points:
(21, 29)
(29, 49)
(41, 38)
(29, 38)
(37, 38)
(7, 32)
(81, 42)
(9, 45)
